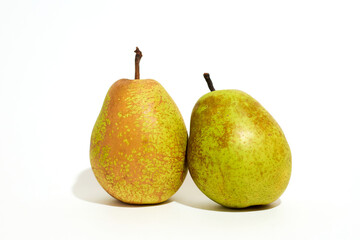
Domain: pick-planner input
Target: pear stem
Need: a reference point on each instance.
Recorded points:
(209, 82)
(137, 62)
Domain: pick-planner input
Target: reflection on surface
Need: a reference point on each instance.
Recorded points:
(245, 136)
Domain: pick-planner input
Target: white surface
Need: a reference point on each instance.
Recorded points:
(299, 59)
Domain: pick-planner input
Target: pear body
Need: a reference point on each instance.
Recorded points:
(138, 143)
(237, 153)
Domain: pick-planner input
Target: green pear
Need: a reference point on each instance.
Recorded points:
(237, 154)
(138, 143)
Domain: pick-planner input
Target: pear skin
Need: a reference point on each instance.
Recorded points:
(238, 155)
(138, 143)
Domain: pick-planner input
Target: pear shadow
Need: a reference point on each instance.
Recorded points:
(189, 195)
(87, 188)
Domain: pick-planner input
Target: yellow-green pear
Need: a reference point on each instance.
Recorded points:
(138, 143)
(237, 153)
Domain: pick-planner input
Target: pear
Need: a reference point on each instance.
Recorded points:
(138, 143)
(237, 154)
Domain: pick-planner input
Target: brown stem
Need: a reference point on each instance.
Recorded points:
(137, 62)
(209, 82)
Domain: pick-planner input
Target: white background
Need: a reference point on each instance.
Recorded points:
(299, 59)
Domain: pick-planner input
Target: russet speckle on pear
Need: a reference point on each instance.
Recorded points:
(138, 143)
(237, 153)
